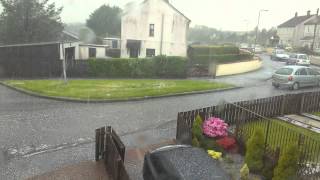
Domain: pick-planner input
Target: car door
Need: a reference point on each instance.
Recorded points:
(301, 76)
(314, 77)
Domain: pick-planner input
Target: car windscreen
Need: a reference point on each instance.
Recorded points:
(303, 57)
(284, 71)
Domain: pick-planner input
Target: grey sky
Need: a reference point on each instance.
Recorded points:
(237, 15)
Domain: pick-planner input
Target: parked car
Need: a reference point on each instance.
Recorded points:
(181, 162)
(294, 77)
(299, 59)
(280, 55)
(257, 49)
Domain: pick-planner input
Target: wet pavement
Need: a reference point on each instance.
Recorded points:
(40, 135)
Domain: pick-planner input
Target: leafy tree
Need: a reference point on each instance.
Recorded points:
(288, 164)
(25, 21)
(255, 151)
(105, 21)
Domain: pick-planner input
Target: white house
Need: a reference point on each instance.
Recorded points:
(310, 36)
(292, 31)
(154, 27)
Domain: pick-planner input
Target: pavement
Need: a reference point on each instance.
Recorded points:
(40, 135)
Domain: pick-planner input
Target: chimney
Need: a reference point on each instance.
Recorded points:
(296, 14)
(308, 13)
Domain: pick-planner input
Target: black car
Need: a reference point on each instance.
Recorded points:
(182, 162)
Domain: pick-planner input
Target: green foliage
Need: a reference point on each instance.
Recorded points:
(105, 21)
(197, 128)
(210, 144)
(204, 55)
(255, 150)
(162, 66)
(288, 164)
(195, 142)
(29, 21)
(244, 172)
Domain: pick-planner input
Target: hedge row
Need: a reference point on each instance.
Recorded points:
(157, 67)
(227, 58)
(213, 50)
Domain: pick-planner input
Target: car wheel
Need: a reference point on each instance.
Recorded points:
(295, 86)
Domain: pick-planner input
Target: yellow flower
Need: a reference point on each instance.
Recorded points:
(214, 154)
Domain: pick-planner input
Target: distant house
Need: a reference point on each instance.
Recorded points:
(309, 35)
(292, 31)
(154, 27)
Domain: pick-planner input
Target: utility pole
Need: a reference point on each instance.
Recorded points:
(257, 30)
(315, 30)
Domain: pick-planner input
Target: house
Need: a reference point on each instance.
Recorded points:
(112, 42)
(292, 31)
(310, 35)
(153, 27)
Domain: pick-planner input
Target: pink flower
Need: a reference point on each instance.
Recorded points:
(215, 127)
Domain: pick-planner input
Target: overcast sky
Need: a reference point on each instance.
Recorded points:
(236, 15)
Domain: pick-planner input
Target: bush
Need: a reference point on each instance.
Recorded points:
(255, 151)
(244, 172)
(195, 142)
(214, 50)
(210, 144)
(197, 128)
(288, 164)
(157, 67)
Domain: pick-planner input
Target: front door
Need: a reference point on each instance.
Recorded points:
(134, 53)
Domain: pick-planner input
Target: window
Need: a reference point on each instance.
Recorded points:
(150, 52)
(313, 72)
(301, 72)
(151, 30)
(284, 71)
(114, 44)
(92, 52)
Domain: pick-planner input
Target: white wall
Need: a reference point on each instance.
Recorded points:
(135, 26)
(84, 52)
(68, 45)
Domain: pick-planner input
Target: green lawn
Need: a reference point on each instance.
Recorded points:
(317, 113)
(281, 134)
(112, 89)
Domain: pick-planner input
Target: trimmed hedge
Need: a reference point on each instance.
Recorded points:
(204, 55)
(157, 67)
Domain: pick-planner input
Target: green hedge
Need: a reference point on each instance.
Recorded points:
(214, 50)
(157, 67)
(227, 58)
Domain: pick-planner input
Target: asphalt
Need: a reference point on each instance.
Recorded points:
(39, 135)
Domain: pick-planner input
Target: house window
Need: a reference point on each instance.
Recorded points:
(151, 52)
(151, 30)
(92, 52)
(114, 44)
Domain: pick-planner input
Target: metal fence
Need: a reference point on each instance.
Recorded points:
(111, 150)
(245, 116)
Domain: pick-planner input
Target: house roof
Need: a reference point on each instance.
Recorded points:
(313, 21)
(293, 22)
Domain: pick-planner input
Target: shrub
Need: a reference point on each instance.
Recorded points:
(244, 172)
(255, 151)
(157, 67)
(215, 127)
(195, 142)
(216, 50)
(197, 128)
(210, 144)
(288, 164)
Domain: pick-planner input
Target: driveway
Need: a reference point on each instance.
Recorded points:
(39, 135)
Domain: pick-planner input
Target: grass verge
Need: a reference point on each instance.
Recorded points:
(113, 89)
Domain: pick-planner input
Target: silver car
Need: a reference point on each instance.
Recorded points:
(294, 77)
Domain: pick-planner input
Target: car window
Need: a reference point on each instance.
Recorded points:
(284, 71)
(293, 56)
(301, 72)
(303, 57)
(313, 72)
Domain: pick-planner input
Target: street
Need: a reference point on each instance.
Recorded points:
(39, 135)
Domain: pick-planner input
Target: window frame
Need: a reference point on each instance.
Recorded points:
(89, 52)
(148, 54)
(151, 30)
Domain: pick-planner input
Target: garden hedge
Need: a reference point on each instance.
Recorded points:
(156, 67)
(204, 55)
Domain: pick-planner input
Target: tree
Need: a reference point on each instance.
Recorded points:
(255, 151)
(29, 21)
(105, 21)
(288, 164)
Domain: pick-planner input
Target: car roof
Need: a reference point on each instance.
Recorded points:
(301, 54)
(295, 67)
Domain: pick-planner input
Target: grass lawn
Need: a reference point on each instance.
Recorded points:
(112, 89)
(281, 134)
(317, 113)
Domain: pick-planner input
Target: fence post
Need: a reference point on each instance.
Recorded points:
(283, 104)
(97, 154)
(302, 103)
(267, 135)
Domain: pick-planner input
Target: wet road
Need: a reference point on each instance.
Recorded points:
(32, 130)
